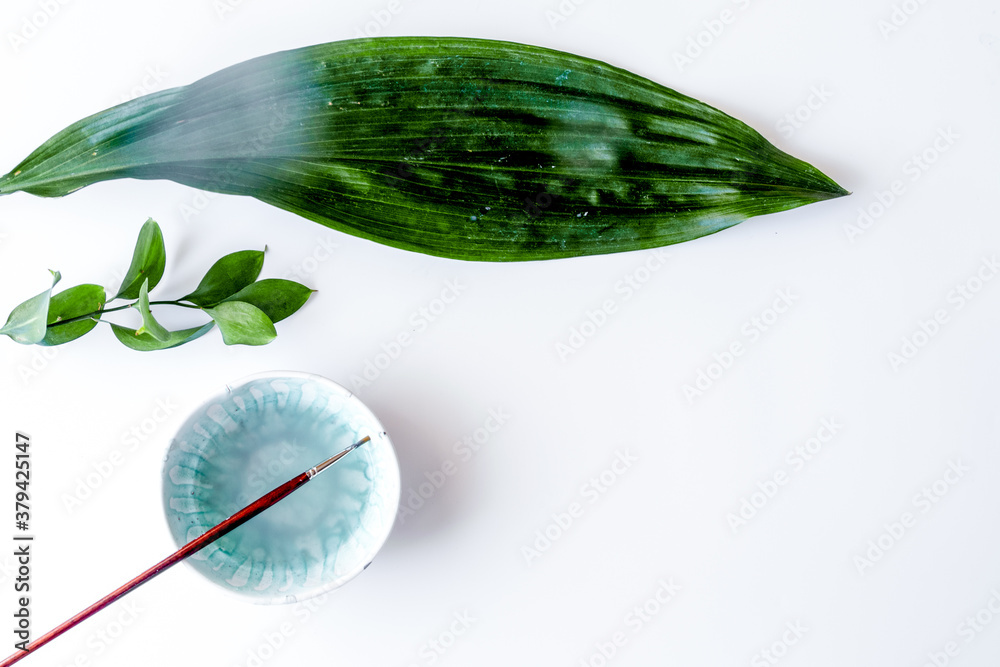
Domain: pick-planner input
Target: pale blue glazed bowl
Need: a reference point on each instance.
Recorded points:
(250, 438)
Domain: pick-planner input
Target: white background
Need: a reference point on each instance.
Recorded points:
(799, 561)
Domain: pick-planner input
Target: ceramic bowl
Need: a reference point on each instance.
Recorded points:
(250, 438)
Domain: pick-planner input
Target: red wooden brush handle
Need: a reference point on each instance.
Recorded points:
(233, 522)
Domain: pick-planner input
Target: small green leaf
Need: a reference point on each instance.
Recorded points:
(227, 277)
(148, 262)
(143, 342)
(73, 302)
(278, 298)
(27, 322)
(242, 323)
(149, 324)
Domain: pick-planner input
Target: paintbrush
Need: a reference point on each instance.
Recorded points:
(230, 524)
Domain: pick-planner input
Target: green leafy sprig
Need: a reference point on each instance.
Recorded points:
(244, 308)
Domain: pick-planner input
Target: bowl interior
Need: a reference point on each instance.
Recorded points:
(253, 437)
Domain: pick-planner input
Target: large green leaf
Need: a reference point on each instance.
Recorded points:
(71, 303)
(148, 261)
(146, 343)
(227, 277)
(242, 323)
(464, 148)
(27, 322)
(278, 298)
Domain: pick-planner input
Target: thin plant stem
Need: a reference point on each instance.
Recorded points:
(102, 311)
